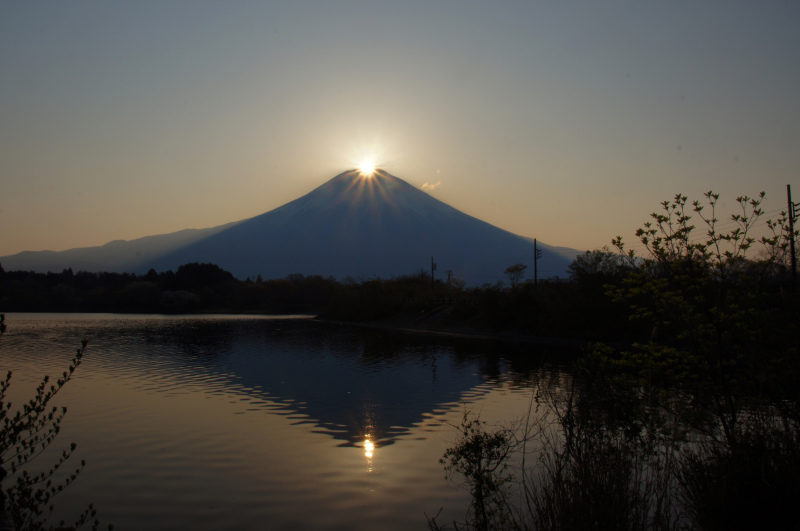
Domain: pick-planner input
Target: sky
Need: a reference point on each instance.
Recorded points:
(568, 122)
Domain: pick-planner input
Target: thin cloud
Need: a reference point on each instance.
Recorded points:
(427, 187)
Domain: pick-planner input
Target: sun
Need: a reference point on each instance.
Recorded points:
(367, 168)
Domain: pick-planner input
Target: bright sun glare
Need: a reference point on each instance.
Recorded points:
(366, 168)
(369, 449)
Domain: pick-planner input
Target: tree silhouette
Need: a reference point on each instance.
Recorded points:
(515, 274)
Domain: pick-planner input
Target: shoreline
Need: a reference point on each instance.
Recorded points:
(409, 327)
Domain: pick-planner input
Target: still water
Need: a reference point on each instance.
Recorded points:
(231, 422)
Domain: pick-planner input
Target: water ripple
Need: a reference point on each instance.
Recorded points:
(236, 420)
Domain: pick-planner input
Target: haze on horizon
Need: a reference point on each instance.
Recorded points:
(566, 122)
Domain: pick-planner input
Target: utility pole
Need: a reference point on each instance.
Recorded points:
(434, 265)
(537, 253)
(792, 207)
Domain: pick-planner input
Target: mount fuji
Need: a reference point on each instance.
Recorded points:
(351, 226)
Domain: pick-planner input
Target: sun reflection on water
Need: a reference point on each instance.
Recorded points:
(369, 448)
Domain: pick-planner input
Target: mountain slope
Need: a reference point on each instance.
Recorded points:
(350, 226)
(118, 255)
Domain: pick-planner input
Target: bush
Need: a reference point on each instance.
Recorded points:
(24, 435)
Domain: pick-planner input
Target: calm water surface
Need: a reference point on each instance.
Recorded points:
(221, 422)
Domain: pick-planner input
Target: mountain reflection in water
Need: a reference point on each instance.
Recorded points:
(362, 389)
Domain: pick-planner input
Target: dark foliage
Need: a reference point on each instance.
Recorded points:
(193, 288)
(26, 434)
(694, 425)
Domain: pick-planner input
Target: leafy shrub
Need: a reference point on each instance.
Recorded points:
(26, 434)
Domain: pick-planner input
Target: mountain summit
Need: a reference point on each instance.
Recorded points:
(353, 225)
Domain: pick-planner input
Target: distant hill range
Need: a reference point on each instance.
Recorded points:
(351, 226)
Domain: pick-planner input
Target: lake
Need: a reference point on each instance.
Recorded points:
(252, 422)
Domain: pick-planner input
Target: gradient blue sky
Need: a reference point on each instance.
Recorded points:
(564, 121)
